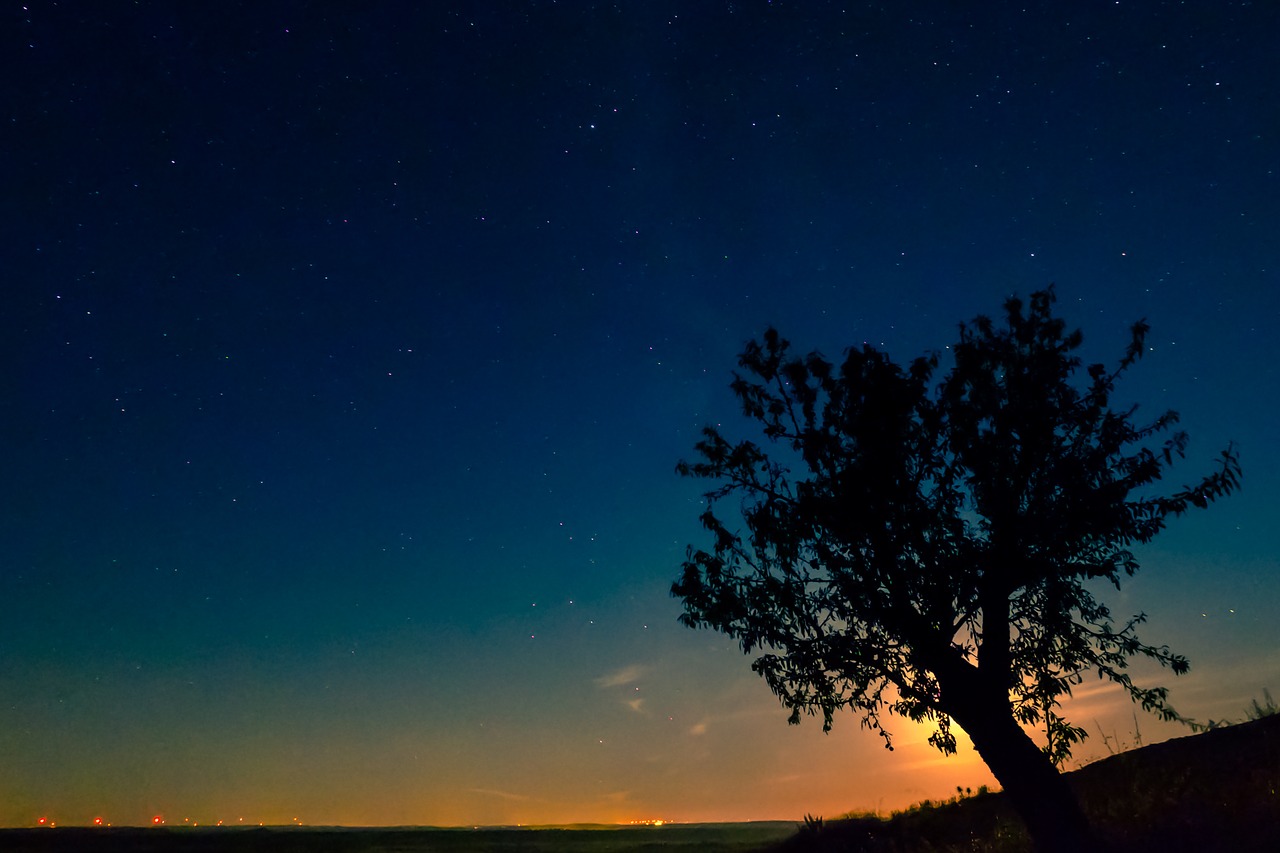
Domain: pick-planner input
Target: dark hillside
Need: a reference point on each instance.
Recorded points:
(1219, 790)
(1208, 793)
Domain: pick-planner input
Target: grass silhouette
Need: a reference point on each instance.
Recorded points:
(1212, 792)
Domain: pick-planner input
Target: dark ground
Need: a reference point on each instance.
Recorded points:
(1216, 792)
(712, 838)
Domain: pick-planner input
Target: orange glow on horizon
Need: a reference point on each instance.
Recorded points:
(801, 770)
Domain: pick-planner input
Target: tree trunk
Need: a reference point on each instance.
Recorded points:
(1038, 792)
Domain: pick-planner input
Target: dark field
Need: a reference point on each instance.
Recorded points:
(712, 838)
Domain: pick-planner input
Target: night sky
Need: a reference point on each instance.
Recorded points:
(349, 350)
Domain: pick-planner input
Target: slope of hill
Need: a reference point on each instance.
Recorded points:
(1209, 793)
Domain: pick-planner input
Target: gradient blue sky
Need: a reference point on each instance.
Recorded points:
(349, 350)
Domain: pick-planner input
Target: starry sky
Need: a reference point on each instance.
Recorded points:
(348, 351)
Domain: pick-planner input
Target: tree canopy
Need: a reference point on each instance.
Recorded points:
(924, 545)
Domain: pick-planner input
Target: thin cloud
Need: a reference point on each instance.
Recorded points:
(505, 795)
(626, 675)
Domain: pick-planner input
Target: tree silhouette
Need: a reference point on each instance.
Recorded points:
(926, 549)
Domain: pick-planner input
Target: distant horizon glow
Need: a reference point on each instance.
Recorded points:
(938, 777)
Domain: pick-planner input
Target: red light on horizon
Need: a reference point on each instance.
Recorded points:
(157, 820)
(97, 821)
